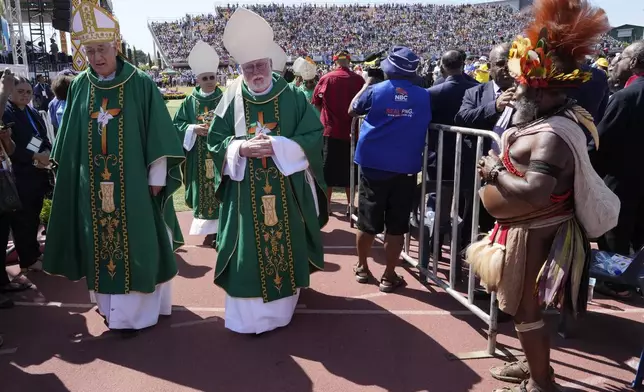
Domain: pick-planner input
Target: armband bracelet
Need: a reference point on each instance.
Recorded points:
(499, 167)
(493, 175)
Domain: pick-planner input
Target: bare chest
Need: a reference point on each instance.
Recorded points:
(520, 150)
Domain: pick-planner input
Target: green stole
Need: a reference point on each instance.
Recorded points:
(198, 171)
(105, 225)
(270, 238)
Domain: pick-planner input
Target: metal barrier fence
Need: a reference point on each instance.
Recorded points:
(449, 287)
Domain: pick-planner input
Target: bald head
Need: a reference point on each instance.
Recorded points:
(499, 66)
(452, 62)
(500, 52)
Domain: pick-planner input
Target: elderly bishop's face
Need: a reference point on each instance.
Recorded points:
(257, 74)
(102, 57)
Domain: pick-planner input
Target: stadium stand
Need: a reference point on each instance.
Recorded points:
(319, 31)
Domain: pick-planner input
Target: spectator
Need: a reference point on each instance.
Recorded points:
(446, 100)
(8, 147)
(482, 105)
(42, 94)
(389, 152)
(332, 97)
(30, 160)
(320, 31)
(486, 106)
(60, 86)
(621, 137)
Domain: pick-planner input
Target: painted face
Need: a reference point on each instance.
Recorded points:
(207, 82)
(257, 74)
(102, 58)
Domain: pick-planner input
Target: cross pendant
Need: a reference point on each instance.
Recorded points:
(103, 117)
(261, 127)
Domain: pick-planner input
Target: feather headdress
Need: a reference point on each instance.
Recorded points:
(562, 34)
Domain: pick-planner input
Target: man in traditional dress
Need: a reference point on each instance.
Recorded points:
(118, 160)
(267, 146)
(542, 189)
(193, 121)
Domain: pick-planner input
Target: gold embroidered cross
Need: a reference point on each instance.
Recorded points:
(260, 127)
(205, 117)
(103, 117)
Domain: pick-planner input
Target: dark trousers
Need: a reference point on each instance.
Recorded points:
(629, 232)
(5, 224)
(24, 226)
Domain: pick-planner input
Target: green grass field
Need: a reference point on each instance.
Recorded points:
(179, 196)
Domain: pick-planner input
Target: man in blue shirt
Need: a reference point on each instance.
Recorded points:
(389, 152)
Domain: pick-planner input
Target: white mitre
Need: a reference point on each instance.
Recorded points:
(248, 37)
(91, 24)
(203, 59)
(279, 58)
(305, 67)
(297, 64)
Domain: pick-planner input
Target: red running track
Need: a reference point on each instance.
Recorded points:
(345, 337)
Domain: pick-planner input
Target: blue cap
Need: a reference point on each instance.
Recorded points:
(401, 62)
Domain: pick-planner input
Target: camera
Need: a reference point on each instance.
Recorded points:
(373, 70)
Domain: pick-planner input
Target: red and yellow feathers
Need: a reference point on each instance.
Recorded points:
(567, 30)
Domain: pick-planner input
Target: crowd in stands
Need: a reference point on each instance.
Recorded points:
(429, 29)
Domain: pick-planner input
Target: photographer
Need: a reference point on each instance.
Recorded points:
(389, 152)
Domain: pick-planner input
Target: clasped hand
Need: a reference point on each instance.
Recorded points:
(487, 163)
(201, 130)
(42, 159)
(260, 146)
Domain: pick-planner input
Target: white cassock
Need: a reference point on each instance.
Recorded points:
(138, 310)
(199, 226)
(252, 315)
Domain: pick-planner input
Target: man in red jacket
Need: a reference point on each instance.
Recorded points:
(332, 97)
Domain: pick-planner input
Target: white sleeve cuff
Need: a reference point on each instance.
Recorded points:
(190, 138)
(235, 165)
(288, 156)
(311, 182)
(158, 172)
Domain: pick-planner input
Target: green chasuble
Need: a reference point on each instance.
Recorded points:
(105, 225)
(269, 232)
(309, 97)
(308, 93)
(199, 174)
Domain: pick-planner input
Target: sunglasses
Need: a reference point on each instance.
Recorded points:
(207, 78)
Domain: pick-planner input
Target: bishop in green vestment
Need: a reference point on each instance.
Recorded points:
(193, 121)
(267, 143)
(306, 71)
(118, 160)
